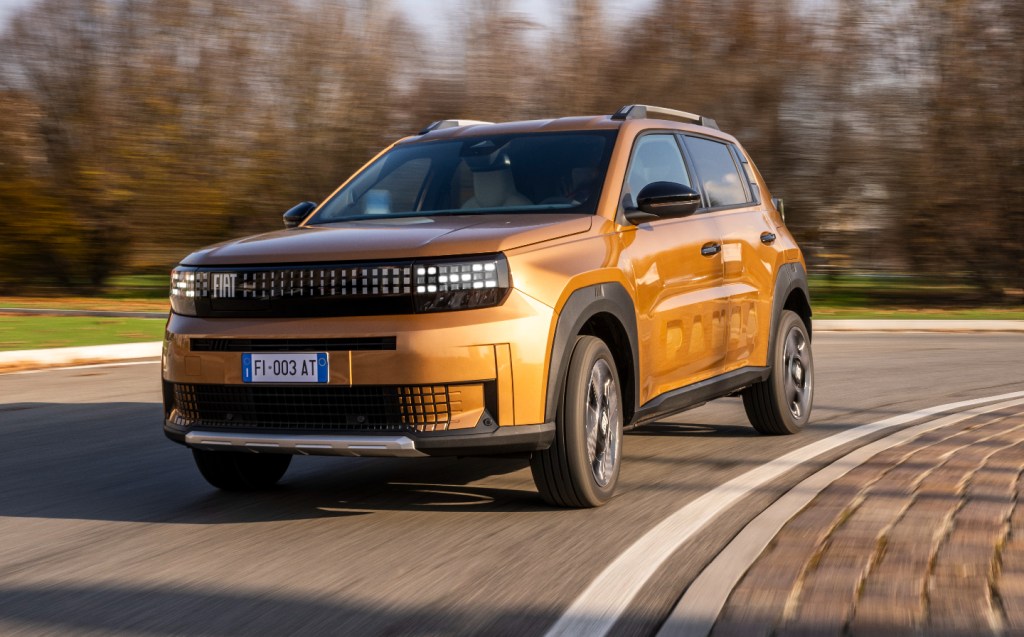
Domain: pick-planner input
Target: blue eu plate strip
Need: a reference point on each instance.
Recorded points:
(321, 367)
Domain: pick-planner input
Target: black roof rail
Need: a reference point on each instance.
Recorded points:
(442, 124)
(640, 111)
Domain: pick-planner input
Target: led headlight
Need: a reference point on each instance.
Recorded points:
(460, 285)
(183, 290)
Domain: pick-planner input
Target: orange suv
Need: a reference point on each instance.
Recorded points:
(518, 288)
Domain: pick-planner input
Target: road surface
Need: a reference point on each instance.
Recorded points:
(106, 527)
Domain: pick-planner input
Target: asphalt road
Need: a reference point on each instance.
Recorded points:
(107, 528)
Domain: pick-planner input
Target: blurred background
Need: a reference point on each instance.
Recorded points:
(133, 131)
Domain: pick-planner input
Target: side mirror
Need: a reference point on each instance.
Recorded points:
(297, 214)
(664, 200)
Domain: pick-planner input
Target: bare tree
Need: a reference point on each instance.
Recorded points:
(139, 129)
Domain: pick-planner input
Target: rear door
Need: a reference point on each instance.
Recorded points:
(747, 234)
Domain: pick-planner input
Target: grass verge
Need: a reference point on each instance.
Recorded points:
(85, 303)
(37, 332)
(897, 313)
(901, 297)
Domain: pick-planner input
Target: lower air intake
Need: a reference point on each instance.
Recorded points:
(376, 408)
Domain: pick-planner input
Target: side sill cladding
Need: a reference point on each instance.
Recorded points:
(697, 394)
(584, 304)
(791, 276)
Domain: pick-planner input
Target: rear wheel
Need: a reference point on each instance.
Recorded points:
(581, 467)
(241, 471)
(781, 404)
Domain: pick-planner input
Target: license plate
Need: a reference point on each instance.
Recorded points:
(303, 367)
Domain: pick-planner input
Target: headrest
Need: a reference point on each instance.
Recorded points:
(497, 160)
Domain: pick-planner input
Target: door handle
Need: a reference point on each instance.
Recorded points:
(710, 249)
(767, 238)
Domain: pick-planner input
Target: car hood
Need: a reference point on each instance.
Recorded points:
(395, 238)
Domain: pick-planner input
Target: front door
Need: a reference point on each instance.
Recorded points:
(678, 273)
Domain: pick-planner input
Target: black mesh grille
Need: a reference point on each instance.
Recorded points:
(366, 408)
(293, 344)
(292, 408)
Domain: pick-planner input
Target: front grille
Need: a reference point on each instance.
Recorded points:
(312, 409)
(341, 289)
(355, 280)
(362, 344)
(329, 290)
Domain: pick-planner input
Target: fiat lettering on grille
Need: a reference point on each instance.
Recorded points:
(224, 285)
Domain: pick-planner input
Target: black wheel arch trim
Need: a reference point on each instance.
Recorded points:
(791, 276)
(582, 305)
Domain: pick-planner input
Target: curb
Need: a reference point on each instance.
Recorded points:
(917, 325)
(65, 356)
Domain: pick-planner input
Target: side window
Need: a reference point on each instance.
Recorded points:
(655, 158)
(717, 172)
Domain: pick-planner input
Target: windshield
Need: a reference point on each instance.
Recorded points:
(538, 172)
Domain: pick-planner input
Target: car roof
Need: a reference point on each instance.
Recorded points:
(636, 117)
(599, 122)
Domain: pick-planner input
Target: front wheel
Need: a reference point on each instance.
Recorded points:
(581, 467)
(781, 404)
(241, 471)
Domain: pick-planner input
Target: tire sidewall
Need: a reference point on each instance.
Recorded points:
(790, 321)
(572, 418)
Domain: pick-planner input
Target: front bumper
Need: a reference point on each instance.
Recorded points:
(471, 347)
(431, 384)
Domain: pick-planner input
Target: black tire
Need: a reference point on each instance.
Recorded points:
(782, 403)
(241, 471)
(581, 467)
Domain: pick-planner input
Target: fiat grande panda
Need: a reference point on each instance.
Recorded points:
(527, 288)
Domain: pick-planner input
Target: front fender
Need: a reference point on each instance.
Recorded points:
(582, 305)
